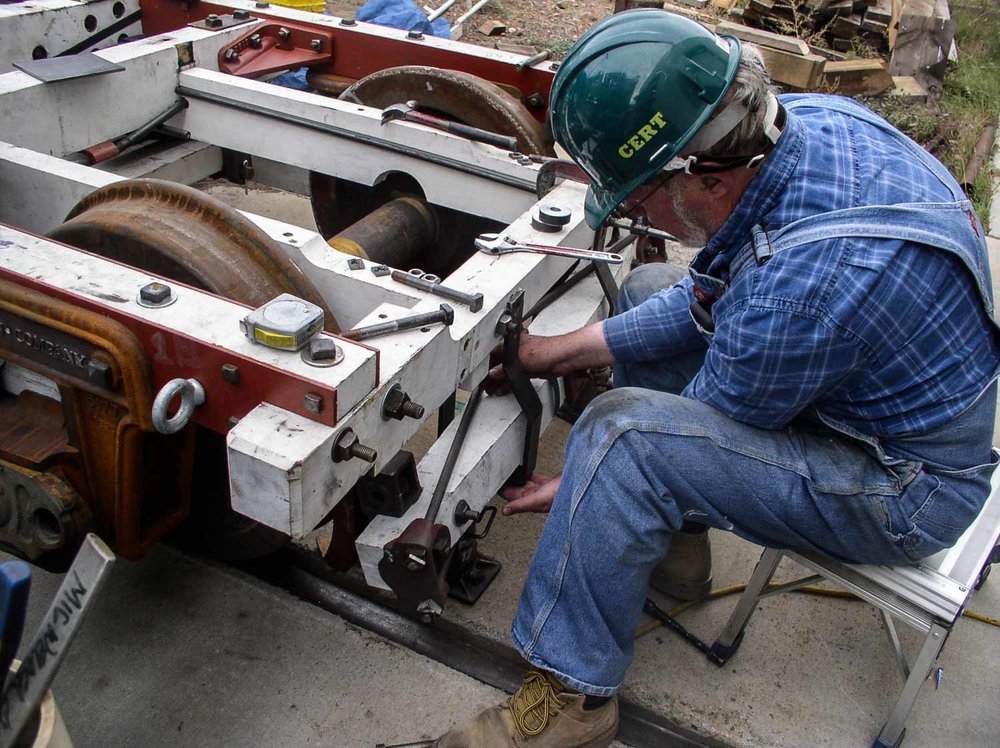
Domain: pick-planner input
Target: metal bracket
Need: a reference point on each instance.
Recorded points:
(509, 326)
(273, 46)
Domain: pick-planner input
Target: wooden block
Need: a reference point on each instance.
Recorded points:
(723, 4)
(842, 45)
(763, 38)
(846, 27)
(492, 28)
(923, 38)
(696, 4)
(878, 15)
(839, 8)
(908, 87)
(875, 27)
(855, 77)
(798, 71)
(827, 54)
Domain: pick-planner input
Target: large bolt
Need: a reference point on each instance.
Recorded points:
(231, 55)
(213, 21)
(348, 447)
(255, 41)
(241, 15)
(444, 315)
(398, 405)
(284, 34)
(316, 45)
(472, 300)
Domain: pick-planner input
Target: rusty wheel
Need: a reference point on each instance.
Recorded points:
(338, 203)
(183, 234)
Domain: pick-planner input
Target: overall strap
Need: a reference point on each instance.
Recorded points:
(952, 227)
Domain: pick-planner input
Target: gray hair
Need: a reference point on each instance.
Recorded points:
(750, 87)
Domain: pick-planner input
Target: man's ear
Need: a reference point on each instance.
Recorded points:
(721, 185)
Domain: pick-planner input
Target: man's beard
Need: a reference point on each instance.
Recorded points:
(692, 233)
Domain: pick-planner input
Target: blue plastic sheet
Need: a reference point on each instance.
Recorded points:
(404, 15)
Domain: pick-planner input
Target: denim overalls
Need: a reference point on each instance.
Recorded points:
(641, 461)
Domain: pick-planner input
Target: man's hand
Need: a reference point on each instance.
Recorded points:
(534, 496)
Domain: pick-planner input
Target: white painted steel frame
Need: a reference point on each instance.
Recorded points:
(62, 25)
(280, 464)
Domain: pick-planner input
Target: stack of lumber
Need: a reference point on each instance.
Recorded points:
(838, 23)
(915, 36)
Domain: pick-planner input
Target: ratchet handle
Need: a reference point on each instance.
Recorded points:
(506, 142)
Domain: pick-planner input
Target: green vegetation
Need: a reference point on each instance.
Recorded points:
(971, 94)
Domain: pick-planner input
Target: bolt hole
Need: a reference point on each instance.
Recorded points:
(288, 233)
(425, 329)
(47, 526)
(122, 38)
(463, 374)
(465, 345)
(39, 53)
(90, 23)
(118, 10)
(383, 316)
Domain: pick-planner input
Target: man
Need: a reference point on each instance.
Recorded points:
(822, 379)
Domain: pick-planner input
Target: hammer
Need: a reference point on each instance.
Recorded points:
(408, 111)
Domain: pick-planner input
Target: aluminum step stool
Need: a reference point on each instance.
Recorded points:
(929, 596)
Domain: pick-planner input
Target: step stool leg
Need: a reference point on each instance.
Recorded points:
(892, 731)
(729, 640)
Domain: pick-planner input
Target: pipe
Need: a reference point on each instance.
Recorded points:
(437, 13)
(472, 11)
(979, 156)
(397, 234)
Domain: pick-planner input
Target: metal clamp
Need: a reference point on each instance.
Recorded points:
(192, 395)
(510, 326)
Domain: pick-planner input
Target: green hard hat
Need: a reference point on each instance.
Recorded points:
(631, 93)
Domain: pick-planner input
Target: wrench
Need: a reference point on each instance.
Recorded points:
(494, 244)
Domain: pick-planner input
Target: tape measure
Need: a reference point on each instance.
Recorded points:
(286, 323)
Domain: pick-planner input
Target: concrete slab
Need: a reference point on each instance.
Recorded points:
(181, 652)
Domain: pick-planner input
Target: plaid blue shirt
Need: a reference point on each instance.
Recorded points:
(886, 336)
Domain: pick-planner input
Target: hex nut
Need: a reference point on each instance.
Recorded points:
(312, 402)
(231, 54)
(348, 22)
(380, 270)
(155, 293)
(99, 372)
(316, 45)
(230, 373)
(241, 15)
(414, 35)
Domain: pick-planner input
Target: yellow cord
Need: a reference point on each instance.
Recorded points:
(809, 590)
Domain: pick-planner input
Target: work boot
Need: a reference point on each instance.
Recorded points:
(686, 571)
(543, 713)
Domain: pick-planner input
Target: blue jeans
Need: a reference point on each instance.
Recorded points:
(641, 460)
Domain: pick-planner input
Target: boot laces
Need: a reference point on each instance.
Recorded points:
(533, 703)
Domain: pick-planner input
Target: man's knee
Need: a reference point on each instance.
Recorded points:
(646, 280)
